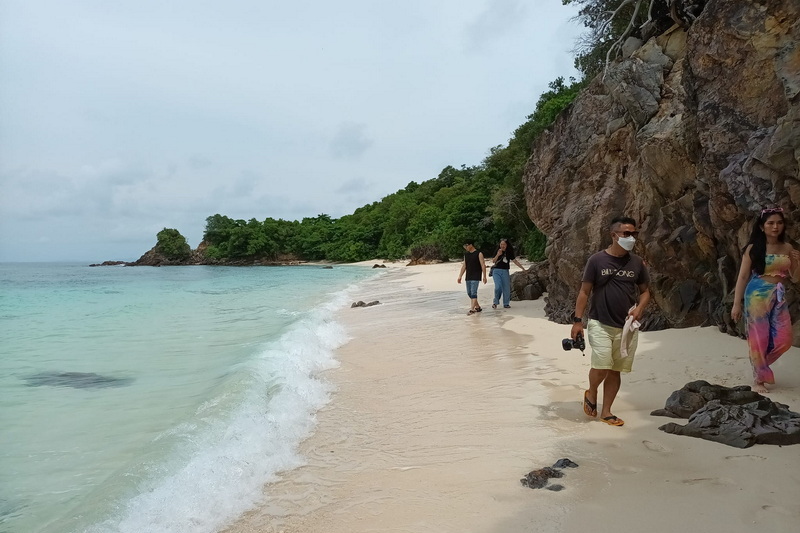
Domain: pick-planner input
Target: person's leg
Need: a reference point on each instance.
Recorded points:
(758, 306)
(780, 330)
(472, 292)
(611, 385)
(468, 286)
(606, 364)
(498, 288)
(506, 276)
(601, 343)
(596, 377)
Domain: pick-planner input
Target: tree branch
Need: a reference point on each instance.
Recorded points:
(618, 44)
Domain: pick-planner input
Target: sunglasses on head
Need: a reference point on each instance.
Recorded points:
(628, 233)
(771, 210)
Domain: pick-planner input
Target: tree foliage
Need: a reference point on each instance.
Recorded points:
(172, 245)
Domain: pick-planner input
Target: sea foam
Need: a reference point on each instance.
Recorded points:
(218, 465)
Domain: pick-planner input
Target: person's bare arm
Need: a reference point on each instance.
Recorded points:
(741, 283)
(580, 307)
(794, 271)
(641, 304)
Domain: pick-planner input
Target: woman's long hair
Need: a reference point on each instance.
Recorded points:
(509, 247)
(758, 239)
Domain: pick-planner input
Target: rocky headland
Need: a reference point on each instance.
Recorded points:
(691, 133)
(198, 256)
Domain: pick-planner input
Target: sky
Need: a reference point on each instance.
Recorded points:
(118, 119)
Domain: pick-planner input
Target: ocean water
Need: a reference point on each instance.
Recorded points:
(139, 399)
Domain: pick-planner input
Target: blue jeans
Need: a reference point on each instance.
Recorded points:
(472, 288)
(502, 286)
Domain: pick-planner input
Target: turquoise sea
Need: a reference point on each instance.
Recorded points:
(140, 399)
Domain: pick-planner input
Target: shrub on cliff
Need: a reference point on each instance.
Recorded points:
(610, 22)
(172, 245)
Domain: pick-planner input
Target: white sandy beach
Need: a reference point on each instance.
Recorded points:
(437, 415)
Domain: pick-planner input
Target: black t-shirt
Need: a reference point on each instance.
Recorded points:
(474, 268)
(504, 261)
(613, 297)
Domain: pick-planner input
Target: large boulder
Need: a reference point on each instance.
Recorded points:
(691, 135)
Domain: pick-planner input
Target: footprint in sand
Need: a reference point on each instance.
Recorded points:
(708, 480)
(625, 469)
(655, 447)
(646, 380)
(604, 444)
(746, 457)
(776, 509)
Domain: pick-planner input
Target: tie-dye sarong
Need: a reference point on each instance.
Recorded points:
(769, 326)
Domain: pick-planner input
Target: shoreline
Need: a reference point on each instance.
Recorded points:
(435, 421)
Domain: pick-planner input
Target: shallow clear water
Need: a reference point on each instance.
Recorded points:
(157, 399)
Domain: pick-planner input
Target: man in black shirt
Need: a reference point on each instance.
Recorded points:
(620, 283)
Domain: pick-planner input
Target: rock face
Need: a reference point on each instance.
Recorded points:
(691, 135)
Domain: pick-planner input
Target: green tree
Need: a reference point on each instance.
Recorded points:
(218, 228)
(172, 245)
(314, 237)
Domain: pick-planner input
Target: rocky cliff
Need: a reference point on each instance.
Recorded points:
(691, 134)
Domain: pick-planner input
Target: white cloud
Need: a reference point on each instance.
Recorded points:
(350, 141)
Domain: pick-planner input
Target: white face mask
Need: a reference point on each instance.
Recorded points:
(627, 242)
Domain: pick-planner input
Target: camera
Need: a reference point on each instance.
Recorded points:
(578, 343)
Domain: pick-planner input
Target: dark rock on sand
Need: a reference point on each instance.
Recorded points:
(565, 463)
(695, 395)
(376, 265)
(734, 416)
(362, 304)
(77, 380)
(536, 479)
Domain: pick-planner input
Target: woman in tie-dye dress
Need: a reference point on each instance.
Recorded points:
(768, 261)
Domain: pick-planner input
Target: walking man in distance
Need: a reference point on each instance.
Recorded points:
(475, 268)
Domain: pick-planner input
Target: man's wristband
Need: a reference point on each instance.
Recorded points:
(576, 319)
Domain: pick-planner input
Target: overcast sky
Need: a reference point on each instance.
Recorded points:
(118, 119)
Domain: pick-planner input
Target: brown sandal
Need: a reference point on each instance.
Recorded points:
(613, 420)
(588, 407)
